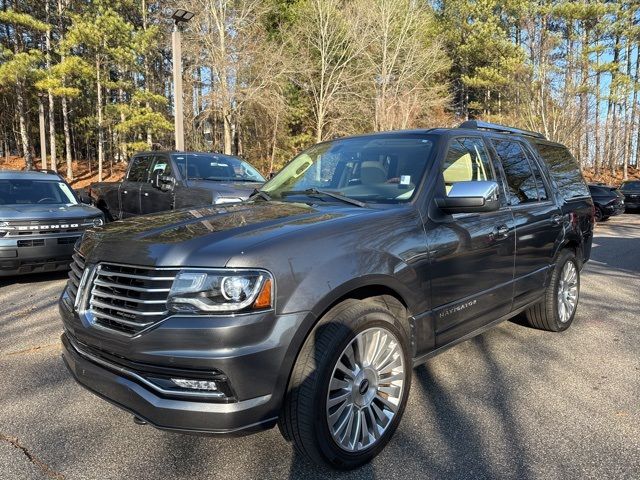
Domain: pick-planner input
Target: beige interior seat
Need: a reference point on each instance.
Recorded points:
(372, 172)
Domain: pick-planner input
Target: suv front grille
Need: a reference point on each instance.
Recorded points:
(44, 227)
(123, 298)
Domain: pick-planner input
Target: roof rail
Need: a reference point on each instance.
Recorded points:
(47, 171)
(477, 124)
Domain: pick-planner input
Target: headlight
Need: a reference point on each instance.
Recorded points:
(94, 221)
(221, 291)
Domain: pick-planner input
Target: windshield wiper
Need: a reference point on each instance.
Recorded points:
(337, 196)
(261, 194)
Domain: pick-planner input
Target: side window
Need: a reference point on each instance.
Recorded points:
(467, 160)
(563, 169)
(139, 169)
(521, 181)
(542, 191)
(162, 164)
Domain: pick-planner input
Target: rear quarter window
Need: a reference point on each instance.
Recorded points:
(564, 170)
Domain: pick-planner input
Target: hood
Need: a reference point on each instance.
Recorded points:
(205, 236)
(47, 212)
(240, 190)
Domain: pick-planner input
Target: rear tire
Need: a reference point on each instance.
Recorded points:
(344, 401)
(557, 310)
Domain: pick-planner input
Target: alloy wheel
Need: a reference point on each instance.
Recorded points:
(365, 389)
(567, 291)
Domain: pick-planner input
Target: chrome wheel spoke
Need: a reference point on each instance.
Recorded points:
(333, 401)
(365, 389)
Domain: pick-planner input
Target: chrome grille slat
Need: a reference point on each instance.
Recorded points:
(121, 320)
(104, 283)
(107, 273)
(97, 292)
(99, 304)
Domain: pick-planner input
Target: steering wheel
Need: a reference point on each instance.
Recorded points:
(47, 200)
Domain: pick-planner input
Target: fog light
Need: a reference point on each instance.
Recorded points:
(207, 385)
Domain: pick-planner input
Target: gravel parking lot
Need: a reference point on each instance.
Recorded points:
(512, 403)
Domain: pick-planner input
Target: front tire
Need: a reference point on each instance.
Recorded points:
(349, 385)
(558, 308)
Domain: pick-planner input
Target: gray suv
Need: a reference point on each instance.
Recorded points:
(41, 218)
(308, 305)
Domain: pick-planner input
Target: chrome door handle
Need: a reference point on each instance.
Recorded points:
(499, 233)
(146, 194)
(124, 192)
(556, 219)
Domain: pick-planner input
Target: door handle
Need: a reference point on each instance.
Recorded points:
(499, 233)
(556, 219)
(124, 192)
(146, 194)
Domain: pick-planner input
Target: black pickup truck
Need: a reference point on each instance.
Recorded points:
(159, 181)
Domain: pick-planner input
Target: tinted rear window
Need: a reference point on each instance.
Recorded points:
(564, 170)
(634, 185)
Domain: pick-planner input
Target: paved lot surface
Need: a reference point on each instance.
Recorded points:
(513, 403)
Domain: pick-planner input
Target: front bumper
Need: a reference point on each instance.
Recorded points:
(632, 202)
(35, 253)
(119, 387)
(613, 209)
(257, 372)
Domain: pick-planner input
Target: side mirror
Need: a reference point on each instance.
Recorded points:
(470, 197)
(84, 197)
(161, 182)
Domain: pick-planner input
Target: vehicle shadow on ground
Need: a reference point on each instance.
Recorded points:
(34, 278)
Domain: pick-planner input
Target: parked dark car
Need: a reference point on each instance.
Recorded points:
(160, 181)
(308, 305)
(608, 201)
(40, 220)
(631, 192)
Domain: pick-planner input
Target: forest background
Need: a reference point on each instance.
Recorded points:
(90, 82)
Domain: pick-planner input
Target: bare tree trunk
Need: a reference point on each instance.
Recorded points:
(65, 109)
(43, 135)
(100, 126)
(24, 134)
(597, 139)
(52, 116)
(274, 139)
(146, 73)
(226, 119)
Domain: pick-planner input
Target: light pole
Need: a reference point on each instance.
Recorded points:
(179, 16)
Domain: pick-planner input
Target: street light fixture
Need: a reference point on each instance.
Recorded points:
(179, 17)
(182, 16)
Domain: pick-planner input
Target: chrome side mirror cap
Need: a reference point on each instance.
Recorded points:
(470, 197)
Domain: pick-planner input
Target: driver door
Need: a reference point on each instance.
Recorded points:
(130, 187)
(153, 199)
(472, 254)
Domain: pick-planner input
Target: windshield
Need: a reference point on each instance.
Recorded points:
(217, 167)
(32, 192)
(630, 185)
(376, 169)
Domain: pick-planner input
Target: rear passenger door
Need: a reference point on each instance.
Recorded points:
(538, 219)
(130, 188)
